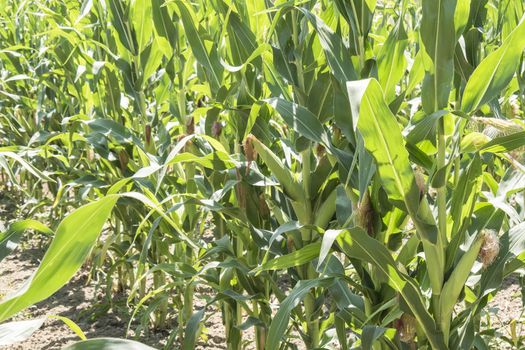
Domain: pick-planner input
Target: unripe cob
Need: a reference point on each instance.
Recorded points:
(420, 182)
(249, 151)
(320, 151)
(123, 159)
(406, 328)
(147, 134)
(216, 129)
(190, 126)
(365, 214)
(490, 247)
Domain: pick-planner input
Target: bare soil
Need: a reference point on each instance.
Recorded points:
(82, 301)
(77, 301)
(506, 308)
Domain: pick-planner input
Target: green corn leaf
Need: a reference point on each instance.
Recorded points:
(370, 334)
(120, 21)
(391, 60)
(73, 241)
(356, 243)
(461, 16)
(165, 30)
(359, 15)
(463, 201)
(504, 144)
(213, 66)
(192, 330)
(150, 59)
(280, 171)
(466, 187)
(417, 72)
(340, 326)
(87, 5)
(456, 282)
(13, 332)
(110, 128)
(287, 227)
(326, 210)
(296, 258)
(242, 41)
(495, 72)
(336, 53)
(282, 317)
(142, 14)
(425, 129)
(383, 139)
(9, 240)
(438, 39)
(409, 251)
(461, 64)
(304, 122)
(72, 325)
(30, 168)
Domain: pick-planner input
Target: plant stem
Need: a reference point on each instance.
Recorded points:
(298, 57)
(442, 190)
(442, 222)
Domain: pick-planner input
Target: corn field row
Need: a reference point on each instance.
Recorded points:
(341, 174)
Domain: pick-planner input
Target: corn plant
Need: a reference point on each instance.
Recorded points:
(339, 173)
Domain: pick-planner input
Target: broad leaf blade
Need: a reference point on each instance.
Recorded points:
(383, 139)
(495, 72)
(356, 243)
(438, 38)
(73, 241)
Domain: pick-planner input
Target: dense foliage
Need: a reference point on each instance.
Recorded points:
(356, 165)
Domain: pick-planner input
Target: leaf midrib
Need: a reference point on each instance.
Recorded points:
(385, 146)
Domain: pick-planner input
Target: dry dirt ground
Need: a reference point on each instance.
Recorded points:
(82, 302)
